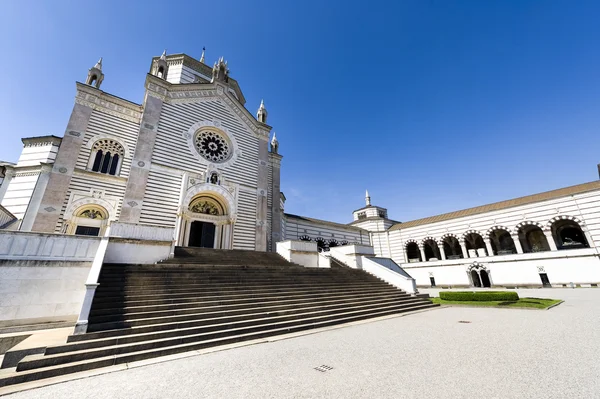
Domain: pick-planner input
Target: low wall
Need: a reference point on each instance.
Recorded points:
(581, 266)
(141, 231)
(304, 253)
(42, 276)
(21, 245)
(38, 291)
(124, 250)
(382, 268)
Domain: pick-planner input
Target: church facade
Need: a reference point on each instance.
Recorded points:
(191, 158)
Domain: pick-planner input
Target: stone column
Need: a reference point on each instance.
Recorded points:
(54, 196)
(488, 245)
(8, 176)
(422, 249)
(463, 248)
(550, 239)
(261, 194)
(227, 235)
(140, 165)
(518, 245)
(275, 189)
(442, 251)
(36, 197)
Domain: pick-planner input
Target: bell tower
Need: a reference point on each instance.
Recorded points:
(95, 75)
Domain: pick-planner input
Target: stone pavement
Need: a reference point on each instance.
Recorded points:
(500, 353)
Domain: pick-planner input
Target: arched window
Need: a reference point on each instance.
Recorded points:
(502, 242)
(321, 244)
(333, 243)
(305, 238)
(107, 156)
(568, 235)
(452, 248)
(432, 251)
(90, 221)
(413, 254)
(474, 242)
(533, 239)
(161, 72)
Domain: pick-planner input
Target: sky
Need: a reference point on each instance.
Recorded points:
(431, 105)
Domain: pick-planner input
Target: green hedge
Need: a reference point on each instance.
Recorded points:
(480, 296)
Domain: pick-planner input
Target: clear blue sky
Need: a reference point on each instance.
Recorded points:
(432, 105)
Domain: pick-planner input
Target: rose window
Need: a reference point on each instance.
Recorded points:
(213, 146)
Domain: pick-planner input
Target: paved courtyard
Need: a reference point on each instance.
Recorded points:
(501, 353)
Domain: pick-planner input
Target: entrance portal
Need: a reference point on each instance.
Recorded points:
(202, 234)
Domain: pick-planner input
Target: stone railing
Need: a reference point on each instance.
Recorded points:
(20, 245)
(141, 232)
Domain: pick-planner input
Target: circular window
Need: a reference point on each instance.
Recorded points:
(213, 146)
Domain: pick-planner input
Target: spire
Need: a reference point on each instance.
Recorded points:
(164, 55)
(202, 56)
(274, 144)
(95, 75)
(262, 113)
(220, 71)
(368, 198)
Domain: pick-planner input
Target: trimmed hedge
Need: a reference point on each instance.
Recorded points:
(479, 296)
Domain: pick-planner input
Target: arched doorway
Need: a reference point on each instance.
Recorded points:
(475, 278)
(502, 242)
(413, 253)
(479, 276)
(568, 235)
(485, 278)
(533, 239)
(474, 244)
(432, 251)
(206, 223)
(452, 247)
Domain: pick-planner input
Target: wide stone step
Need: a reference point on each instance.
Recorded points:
(221, 324)
(102, 325)
(316, 295)
(39, 361)
(202, 311)
(224, 294)
(107, 290)
(190, 323)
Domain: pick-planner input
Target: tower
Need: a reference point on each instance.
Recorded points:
(262, 113)
(160, 67)
(95, 75)
(274, 144)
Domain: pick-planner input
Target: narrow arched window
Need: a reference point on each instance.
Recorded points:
(107, 156)
(97, 161)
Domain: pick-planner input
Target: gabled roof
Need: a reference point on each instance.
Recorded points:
(323, 222)
(529, 199)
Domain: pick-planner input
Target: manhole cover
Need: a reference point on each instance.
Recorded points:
(464, 321)
(323, 368)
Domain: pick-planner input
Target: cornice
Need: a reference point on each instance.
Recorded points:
(41, 141)
(99, 176)
(107, 103)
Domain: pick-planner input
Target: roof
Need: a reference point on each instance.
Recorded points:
(529, 199)
(323, 222)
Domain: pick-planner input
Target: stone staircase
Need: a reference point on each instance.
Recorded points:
(204, 298)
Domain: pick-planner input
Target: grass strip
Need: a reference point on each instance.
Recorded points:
(532, 303)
